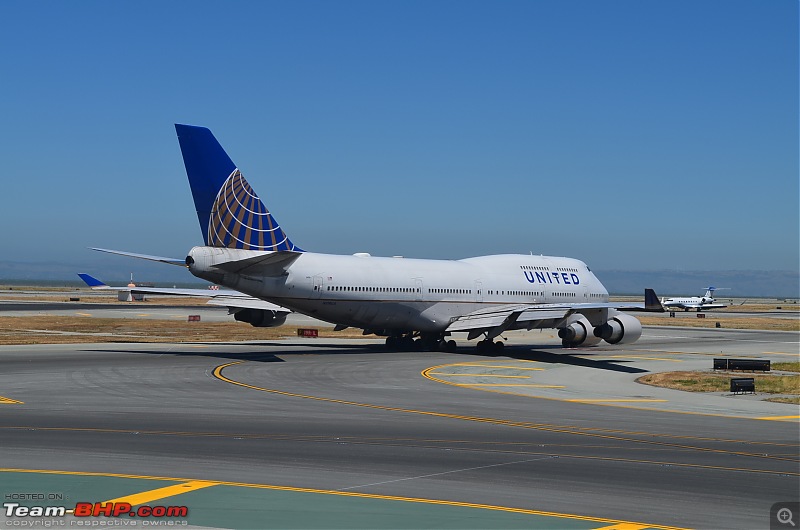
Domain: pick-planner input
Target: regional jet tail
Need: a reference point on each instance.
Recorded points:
(244, 308)
(411, 302)
(699, 303)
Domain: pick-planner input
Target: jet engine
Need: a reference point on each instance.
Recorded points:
(260, 318)
(577, 332)
(620, 329)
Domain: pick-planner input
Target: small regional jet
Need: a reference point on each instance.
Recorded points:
(694, 302)
(244, 308)
(412, 302)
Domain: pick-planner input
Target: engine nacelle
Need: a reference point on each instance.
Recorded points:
(577, 332)
(620, 329)
(260, 318)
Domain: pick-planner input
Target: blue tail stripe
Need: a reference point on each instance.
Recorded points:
(229, 211)
(208, 167)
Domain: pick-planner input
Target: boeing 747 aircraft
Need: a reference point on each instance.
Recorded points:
(411, 302)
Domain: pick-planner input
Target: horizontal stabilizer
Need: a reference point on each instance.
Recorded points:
(160, 259)
(218, 297)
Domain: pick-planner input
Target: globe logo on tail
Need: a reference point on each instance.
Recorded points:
(240, 220)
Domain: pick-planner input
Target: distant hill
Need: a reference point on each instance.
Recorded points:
(113, 269)
(110, 269)
(741, 284)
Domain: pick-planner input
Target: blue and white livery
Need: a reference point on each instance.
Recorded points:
(409, 301)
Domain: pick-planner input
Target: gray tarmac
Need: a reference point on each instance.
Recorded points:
(565, 434)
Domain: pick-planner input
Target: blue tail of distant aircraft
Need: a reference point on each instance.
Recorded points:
(230, 213)
(91, 281)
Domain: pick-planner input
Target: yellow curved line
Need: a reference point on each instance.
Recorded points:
(525, 425)
(426, 373)
(487, 375)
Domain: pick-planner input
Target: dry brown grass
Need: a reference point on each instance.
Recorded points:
(106, 298)
(786, 366)
(721, 381)
(76, 329)
(761, 307)
(792, 400)
(770, 324)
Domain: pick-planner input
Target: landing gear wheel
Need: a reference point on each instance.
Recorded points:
(485, 347)
(447, 345)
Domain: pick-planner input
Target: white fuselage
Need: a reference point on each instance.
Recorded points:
(377, 293)
(691, 302)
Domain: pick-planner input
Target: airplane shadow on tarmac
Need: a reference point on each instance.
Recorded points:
(252, 353)
(525, 353)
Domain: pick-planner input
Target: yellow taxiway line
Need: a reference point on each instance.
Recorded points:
(614, 524)
(162, 493)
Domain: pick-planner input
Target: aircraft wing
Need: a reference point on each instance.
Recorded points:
(495, 320)
(495, 316)
(225, 298)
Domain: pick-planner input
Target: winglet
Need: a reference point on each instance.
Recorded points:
(230, 213)
(91, 281)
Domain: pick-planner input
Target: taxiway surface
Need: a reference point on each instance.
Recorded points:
(565, 435)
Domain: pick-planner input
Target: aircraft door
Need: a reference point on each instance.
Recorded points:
(418, 287)
(317, 289)
(478, 291)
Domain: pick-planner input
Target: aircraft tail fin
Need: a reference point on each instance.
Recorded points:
(651, 301)
(231, 215)
(91, 281)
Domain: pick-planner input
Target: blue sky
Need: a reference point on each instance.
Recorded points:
(631, 134)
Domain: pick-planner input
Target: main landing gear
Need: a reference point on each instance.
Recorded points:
(435, 342)
(490, 347)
